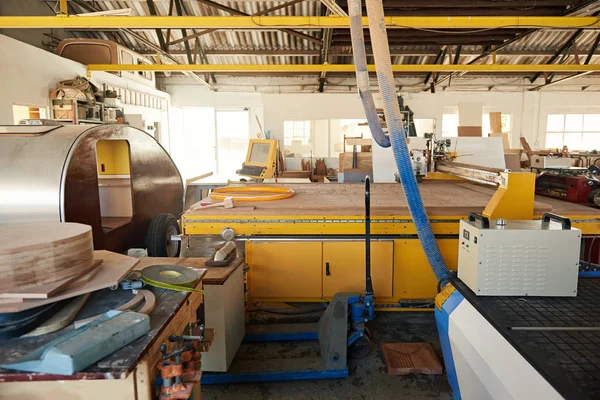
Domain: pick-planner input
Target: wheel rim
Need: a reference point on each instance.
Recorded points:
(170, 245)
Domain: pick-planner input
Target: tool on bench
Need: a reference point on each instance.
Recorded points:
(224, 256)
(226, 203)
(180, 369)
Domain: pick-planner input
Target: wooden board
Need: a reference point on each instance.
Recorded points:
(468, 131)
(62, 318)
(49, 289)
(495, 122)
(365, 161)
(114, 268)
(39, 253)
(137, 299)
(387, 199)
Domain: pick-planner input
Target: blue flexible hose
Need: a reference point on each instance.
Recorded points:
(393, 116)
(362, 74)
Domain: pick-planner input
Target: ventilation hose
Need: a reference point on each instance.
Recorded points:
(362, 74)
(381, 52)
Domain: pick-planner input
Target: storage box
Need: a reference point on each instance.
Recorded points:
(469, 131)
(519, 258)
(63, 114)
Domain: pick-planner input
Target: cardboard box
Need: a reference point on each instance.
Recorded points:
(469, 131)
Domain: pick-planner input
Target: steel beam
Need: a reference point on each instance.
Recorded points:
(312, 68)
(159, 34)
(338, 51)
(291, 22)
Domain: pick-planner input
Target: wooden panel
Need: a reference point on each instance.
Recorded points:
(113, 269)
(467, 131)
(495, 122)
(285, 269)
(44, 252)
(413, 278)
(347, 267)
(365, 161)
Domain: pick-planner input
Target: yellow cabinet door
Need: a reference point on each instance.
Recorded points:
(344, 267)
(285, 270)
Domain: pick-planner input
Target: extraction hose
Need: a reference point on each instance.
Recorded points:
(393, 117)
(362, 74)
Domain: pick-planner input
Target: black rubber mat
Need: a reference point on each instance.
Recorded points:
(569, 360)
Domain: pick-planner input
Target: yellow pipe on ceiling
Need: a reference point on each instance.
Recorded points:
(292, 22)
(314, 68)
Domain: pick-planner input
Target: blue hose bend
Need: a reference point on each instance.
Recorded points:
(362, 74)
(381, 52)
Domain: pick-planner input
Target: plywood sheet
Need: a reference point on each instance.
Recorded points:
(39, 253)
(365, 161)
(113, 269)
(387, 199)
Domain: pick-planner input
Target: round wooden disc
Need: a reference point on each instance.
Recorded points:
(39, 253)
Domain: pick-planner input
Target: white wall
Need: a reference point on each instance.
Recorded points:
(28, 73)
(529, 110)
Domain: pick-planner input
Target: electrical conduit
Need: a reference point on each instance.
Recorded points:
(362, 74)
(385, 77)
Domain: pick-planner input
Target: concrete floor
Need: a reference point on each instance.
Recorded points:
(368, 378)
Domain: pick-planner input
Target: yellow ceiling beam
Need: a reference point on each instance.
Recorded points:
(290, 22)
(309, 68)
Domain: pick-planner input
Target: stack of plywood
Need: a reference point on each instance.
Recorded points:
(47, 262)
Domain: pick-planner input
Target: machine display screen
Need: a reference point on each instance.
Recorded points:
(466, 234)
(259, 153)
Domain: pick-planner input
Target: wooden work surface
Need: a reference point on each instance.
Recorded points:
(119, 364)
(387, 199)
(213, 276)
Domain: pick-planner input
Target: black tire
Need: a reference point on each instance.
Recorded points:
(360, 348)
(592, 195)
(158, 238)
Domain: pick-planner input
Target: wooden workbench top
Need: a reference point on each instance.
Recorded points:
(213, 276)
(387, 199)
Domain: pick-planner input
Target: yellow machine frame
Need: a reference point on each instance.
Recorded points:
(296, 268)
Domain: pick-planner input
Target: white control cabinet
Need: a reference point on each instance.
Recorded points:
(519, 258)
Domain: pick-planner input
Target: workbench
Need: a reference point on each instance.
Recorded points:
(223, 306)
(129, 373)
(311, 246)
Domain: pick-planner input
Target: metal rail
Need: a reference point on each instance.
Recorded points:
(486, 176)
(349, 68)
(291, 22)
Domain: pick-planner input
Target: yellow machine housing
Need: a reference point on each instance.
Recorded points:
(262, 155)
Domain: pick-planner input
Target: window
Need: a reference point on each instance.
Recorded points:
(576, 131)
(450, 125)
(296, 132)
(505, 119)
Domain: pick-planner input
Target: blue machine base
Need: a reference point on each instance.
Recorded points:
(226, 377)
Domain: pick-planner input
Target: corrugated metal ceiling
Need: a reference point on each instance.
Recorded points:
(534, 48)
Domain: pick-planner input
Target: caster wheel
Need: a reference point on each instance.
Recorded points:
(360, 348)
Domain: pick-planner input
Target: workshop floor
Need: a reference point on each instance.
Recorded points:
(368, 376)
